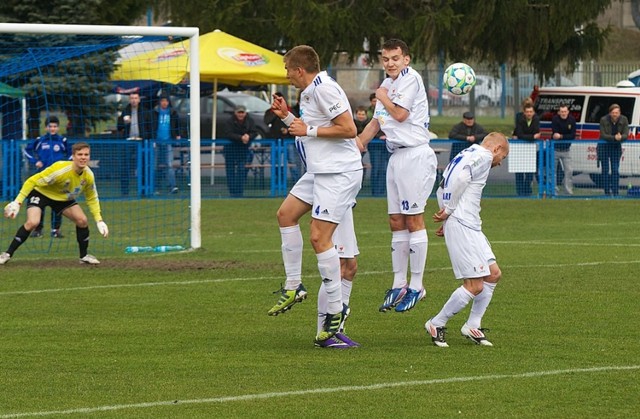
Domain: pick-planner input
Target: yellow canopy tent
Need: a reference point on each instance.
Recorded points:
(223, 59)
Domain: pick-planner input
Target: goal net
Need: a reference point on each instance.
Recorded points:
(142, 165)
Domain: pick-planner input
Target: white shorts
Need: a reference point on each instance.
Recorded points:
(469, 250)
(334, 194)
(411, 174)
(303, 189)
(344, 238)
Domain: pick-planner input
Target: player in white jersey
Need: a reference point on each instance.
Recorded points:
(346, 244)
(402, 113)
(325, 138)
(471, 256)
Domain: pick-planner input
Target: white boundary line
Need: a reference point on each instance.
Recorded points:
(262, 396)
(262, 278)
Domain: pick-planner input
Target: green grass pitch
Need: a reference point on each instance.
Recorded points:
(186, 334)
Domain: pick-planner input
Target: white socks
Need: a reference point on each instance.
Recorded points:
(480, 304)
(292, 255)
(346, 291)
(323, 305)
(399, 257)
(418, 242)
(458, 300)
(329, 267)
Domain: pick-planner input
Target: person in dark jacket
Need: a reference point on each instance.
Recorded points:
(468, 132)
(135, 123)
(166, 127)
(241, 130)
(614, 129)
(279, 130)
(527, 128)
(563, 130)
(42, 153)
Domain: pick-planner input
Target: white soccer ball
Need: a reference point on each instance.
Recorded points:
(459, 79)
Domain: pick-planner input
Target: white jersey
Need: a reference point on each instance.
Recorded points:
(321, 102)
(477, 161)
(407, 91)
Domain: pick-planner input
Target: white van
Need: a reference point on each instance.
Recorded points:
(588, 104)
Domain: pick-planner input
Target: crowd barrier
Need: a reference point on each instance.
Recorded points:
(268, 168)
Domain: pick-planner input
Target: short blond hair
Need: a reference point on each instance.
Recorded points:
(303, 56)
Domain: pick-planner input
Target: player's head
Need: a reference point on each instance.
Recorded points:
(498, 145)
(300, 61)
(53, 124)
(395, 57)
(80, 154)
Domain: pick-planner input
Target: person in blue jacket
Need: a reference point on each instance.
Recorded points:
(42, 153)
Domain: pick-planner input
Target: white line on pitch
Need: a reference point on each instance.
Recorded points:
(263, 278)
(262, 396)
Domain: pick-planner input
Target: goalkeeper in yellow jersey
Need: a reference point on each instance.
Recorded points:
(58, 186)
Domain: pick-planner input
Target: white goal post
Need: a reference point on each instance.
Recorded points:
(194, 90)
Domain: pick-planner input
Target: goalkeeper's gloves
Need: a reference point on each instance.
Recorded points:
(12, 209)
(102, 228)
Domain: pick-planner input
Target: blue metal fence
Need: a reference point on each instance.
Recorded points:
(268, 168)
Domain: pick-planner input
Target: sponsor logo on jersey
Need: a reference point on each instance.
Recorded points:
(335, 107)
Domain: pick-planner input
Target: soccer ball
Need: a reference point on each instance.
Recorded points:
(459, 78)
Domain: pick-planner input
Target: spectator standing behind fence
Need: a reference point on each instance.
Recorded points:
(42, 153)
(378, 155)
(373, 100)
(240, 130)
(279, 130)
(134, 124)
(468, 131)
(563, 130)
(614, 129)
(527, 128)
(167, 127)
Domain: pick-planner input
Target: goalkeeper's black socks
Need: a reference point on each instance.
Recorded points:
(82, 234)
(21, 236)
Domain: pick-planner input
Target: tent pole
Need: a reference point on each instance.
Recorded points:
(213, 130)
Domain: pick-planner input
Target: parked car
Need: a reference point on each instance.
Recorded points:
(226, 103)
(488, 89)
(448, 98)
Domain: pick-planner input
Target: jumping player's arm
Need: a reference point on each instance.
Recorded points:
(333, 107)
(369, 132)
(397, 112)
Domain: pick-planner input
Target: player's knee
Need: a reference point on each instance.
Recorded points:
(474, 286)
(284, 218)
(82, 222)
(495, 274)
(30, 225)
